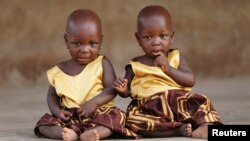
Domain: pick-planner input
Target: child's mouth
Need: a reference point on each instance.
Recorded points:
(157, 53)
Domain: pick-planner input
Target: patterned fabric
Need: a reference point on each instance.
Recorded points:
(149, 80)
(75, 90)
(110, 117)
(170, 109)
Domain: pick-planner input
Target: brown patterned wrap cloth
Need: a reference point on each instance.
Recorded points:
(110, 117)
(171, 109)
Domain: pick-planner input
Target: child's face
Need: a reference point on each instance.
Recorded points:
(84, 41)
(154, 35)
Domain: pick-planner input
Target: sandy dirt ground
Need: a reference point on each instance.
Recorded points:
(21, 107)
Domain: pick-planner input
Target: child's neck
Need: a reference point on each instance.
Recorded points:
(72, 68)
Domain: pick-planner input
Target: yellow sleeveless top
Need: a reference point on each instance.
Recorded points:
(78, 89)
(149, 80)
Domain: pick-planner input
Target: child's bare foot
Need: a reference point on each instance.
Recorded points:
(201, 131)
(90, 135)
(69, 135)
(186, 130)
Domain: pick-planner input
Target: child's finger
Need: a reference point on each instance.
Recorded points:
(117, 85)
(125, 81)
(120, 83)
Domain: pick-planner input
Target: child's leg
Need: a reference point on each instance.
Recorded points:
(69, 135)
(201, 131)
(95, 134)
(52, 132)
(184, 130)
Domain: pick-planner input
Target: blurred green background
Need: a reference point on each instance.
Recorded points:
(212, 34)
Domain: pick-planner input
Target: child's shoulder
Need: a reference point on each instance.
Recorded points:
(173, 50)
(106, 63)
(105, 59)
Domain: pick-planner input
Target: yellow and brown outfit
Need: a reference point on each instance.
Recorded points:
(160, 104)
(76, 90)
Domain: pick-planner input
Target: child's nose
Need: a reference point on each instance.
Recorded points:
(84, 48)
(156, 41)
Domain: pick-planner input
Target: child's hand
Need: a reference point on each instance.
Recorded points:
(64, 115)
(162, 62)
(87, 109)
(120, 85)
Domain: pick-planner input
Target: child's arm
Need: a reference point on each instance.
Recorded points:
(106, 95)
(53, 102)
(122, 85)
(183, 75)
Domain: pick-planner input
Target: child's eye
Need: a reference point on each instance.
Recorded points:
(93, 44)
(77, 44)
(146, 37)
(163, 36)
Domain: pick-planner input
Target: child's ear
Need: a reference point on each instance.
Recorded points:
(102, 37)
(172, 37)
(65, 38)
(137, 38)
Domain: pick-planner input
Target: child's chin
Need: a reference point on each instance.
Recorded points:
(83, 62)
(154, 56)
